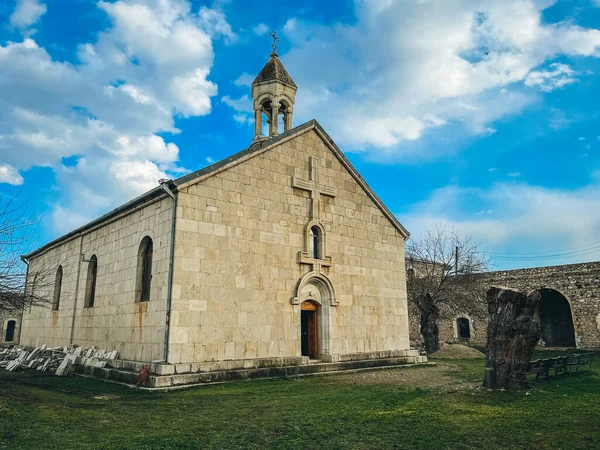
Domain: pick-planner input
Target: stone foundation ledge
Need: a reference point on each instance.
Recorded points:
(234, 364)
(126, 372)
(371, 355)
(314, 368)
(263, 363)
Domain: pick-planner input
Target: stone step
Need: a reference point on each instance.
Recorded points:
(127, 372)
(109, 373)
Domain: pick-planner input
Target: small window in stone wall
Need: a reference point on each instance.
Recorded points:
(464, 329)
(10, 331)
(146, 269)
(90, 289)
(57, 288)
(315, 243)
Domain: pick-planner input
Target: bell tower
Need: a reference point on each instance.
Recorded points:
(273, 94)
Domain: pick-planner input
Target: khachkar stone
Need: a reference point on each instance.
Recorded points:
(513, 332)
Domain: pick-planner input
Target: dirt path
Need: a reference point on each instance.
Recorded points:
(439, 377)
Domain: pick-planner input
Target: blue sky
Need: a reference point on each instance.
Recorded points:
(478, 115)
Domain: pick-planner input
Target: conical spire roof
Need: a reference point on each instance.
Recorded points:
(274, 71)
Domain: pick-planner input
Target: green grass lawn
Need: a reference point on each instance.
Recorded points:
(40, 411)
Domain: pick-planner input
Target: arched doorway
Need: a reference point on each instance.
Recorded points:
(309, 329)
(556, 319)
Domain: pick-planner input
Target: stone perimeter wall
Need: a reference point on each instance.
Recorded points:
(236, 262)
(117, 321)
(579, 283)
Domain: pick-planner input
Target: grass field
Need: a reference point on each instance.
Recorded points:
(379, 409)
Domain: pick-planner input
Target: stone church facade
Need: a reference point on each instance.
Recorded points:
(278, 253)
(569, 307)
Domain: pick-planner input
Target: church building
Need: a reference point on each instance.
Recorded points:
(279, 254)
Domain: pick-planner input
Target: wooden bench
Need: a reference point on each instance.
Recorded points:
(560, 364)
(577, 360)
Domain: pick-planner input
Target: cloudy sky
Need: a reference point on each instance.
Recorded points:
(480, 115)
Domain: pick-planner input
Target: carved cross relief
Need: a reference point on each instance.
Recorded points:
(315, 190)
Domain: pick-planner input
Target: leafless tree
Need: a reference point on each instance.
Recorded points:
(442, 270)
(17, 236)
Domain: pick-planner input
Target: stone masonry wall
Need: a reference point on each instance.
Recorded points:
(236, 261)
(447, 324)
(578, 283)
(5, 317)
(116, 321)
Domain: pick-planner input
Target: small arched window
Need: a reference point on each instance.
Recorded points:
(10, 331)
(90, 288)
(315, 242)
(464, 328)
(146, 249)
(57, 288)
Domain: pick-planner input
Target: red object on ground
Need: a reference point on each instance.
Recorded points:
(144, 374)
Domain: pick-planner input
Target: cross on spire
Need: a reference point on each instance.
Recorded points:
(273, 34)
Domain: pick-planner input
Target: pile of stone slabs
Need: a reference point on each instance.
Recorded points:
(60, 360)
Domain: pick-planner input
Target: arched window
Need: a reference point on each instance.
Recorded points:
(464, 328)
(315, 242)
(145, 269)
(10, 331)
(57, 288)
(90, 288)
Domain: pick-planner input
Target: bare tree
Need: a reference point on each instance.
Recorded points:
(442, 270)
(17, 233)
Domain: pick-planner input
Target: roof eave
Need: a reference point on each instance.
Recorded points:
(146, 196)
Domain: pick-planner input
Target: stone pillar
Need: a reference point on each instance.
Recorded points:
(274, 125)
(287, 124)
(258, 123)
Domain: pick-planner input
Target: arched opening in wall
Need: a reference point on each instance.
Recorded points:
(556, 319)
(315, 242)
(266, 118)
(145, 269)
(10, 331)
(309, 332)
(90, 286)
(281, 123)
(57, 288)
(463, 327)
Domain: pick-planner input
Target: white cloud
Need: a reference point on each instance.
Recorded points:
(244, 79)
(260, 29)
(10, 175)
(243, 119)
(161, 53)
(492, 169)
(558, 77)
(514, 174)
(243, 104)
(214, 22)
(524, 216)
(377, 83)
(26, 14)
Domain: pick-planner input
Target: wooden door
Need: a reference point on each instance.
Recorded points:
(309, 333)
